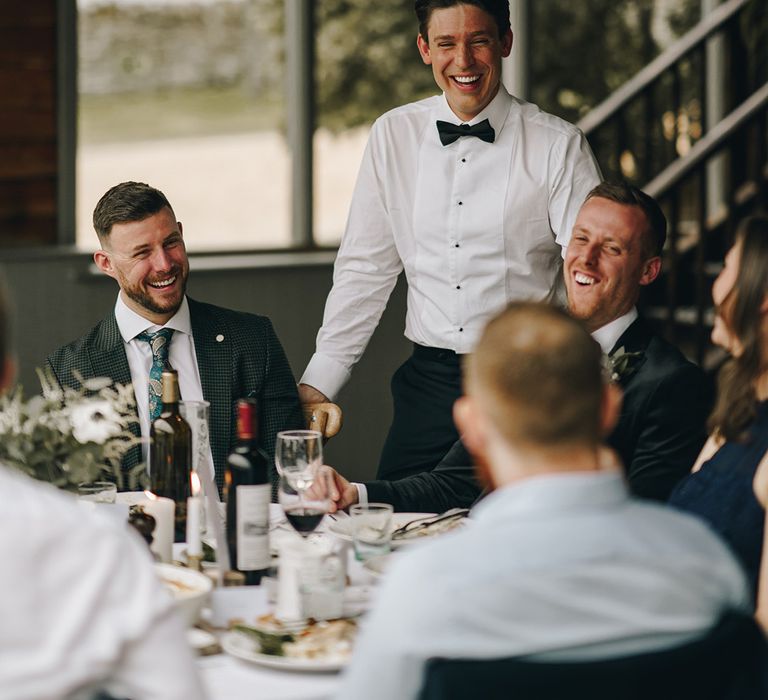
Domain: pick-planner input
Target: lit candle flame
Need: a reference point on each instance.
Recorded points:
(195, 484)
(151, 496)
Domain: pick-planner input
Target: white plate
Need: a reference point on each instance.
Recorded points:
(242, 647)
(343, 528)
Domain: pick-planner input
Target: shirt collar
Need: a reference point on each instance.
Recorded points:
(131, 324)
(554, 493)
(495, 112)
(609, 334)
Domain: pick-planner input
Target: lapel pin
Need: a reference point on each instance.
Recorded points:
(219, 338)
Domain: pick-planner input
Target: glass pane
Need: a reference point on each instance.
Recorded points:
(367, 63)
(185, 95)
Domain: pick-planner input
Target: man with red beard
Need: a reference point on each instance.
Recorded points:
(220, 355)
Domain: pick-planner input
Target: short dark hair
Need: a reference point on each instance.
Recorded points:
(127, 202)
(624, 193)
(498, 9)
(540, 372)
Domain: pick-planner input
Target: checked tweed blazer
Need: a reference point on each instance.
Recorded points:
(249, 361)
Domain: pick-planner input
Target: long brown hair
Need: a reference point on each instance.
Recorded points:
(736, 399)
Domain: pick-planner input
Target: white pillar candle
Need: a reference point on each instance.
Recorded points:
(163, 511)
(194, 509)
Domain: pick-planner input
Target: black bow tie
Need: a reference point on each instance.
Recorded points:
(451, 132)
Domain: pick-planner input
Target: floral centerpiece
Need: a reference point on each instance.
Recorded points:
(70, 436)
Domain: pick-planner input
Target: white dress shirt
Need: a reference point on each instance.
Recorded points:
(609, 334)
(564, 566)
(474, 225)
(181, 356)
(81, 606)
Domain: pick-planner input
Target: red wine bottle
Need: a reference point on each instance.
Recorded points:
(170, 453)
(248, 494)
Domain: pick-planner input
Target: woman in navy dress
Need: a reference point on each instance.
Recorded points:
(720, 487)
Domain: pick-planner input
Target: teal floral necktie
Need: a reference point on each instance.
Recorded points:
(160, 344)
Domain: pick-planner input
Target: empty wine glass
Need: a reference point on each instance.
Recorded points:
(298, 457)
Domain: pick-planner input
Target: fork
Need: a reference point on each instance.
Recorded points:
(426, 521)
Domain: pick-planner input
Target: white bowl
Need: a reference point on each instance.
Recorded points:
(190, 589)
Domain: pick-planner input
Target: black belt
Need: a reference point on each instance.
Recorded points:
(443, 355)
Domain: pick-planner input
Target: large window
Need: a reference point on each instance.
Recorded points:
(185, 95)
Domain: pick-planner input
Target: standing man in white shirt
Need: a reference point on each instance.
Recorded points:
(221, 355)
(473, 193)
(559, 563)
(82, 609)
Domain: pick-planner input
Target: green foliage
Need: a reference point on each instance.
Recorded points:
(367, 61)
(67, 437)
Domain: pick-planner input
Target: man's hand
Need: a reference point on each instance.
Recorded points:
(332, 485)
(308, 394)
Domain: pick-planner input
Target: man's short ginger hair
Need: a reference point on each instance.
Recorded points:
(538, 373)
(126, 203)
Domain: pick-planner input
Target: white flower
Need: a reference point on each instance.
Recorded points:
(94, 420)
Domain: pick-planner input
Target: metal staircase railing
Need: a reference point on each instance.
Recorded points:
(653, 132)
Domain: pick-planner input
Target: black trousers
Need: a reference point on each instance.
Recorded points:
(424, 389)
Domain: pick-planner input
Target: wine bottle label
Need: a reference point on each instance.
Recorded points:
(253, 527)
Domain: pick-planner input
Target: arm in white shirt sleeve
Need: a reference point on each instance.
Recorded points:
(156, 661)
(575, 173)
(365, 272)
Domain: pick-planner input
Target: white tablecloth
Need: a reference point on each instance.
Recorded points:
(228, 678)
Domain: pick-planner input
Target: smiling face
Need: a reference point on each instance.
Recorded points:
(149, 261)
(605, 262)
(722, 334)
(465, 52)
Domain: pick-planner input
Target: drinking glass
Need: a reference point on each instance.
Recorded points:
(196, 414)
(303, 509)
(371, 529)
(97, 492)
(298, 456)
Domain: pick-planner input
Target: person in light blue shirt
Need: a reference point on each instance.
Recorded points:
(558, 561)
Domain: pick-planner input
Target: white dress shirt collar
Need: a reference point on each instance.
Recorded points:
(131, 324)
(495, 111)
(553, 493)
(610, 333)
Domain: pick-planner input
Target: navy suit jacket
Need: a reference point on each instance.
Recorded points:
(248, 361)
(659, 434)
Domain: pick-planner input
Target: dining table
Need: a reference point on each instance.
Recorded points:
(226, 677)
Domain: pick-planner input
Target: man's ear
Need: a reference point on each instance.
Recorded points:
(610, 407)
(506, 43)
(469, 421)
(651, 270)
(423, 45)
(104, 262)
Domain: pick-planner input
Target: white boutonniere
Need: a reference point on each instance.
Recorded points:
(621, 364)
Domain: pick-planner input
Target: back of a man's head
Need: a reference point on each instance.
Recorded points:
(538, 375)
(124, 203)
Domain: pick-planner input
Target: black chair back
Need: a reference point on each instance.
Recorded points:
(729, 663)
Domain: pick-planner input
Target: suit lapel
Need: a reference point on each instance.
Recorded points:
(635, 339)
(213, 348)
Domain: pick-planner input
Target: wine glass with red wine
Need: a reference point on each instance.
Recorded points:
(298, 457)
(304, 510)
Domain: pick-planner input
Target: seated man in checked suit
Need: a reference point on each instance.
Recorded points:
(221, 355)
(613, 252)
